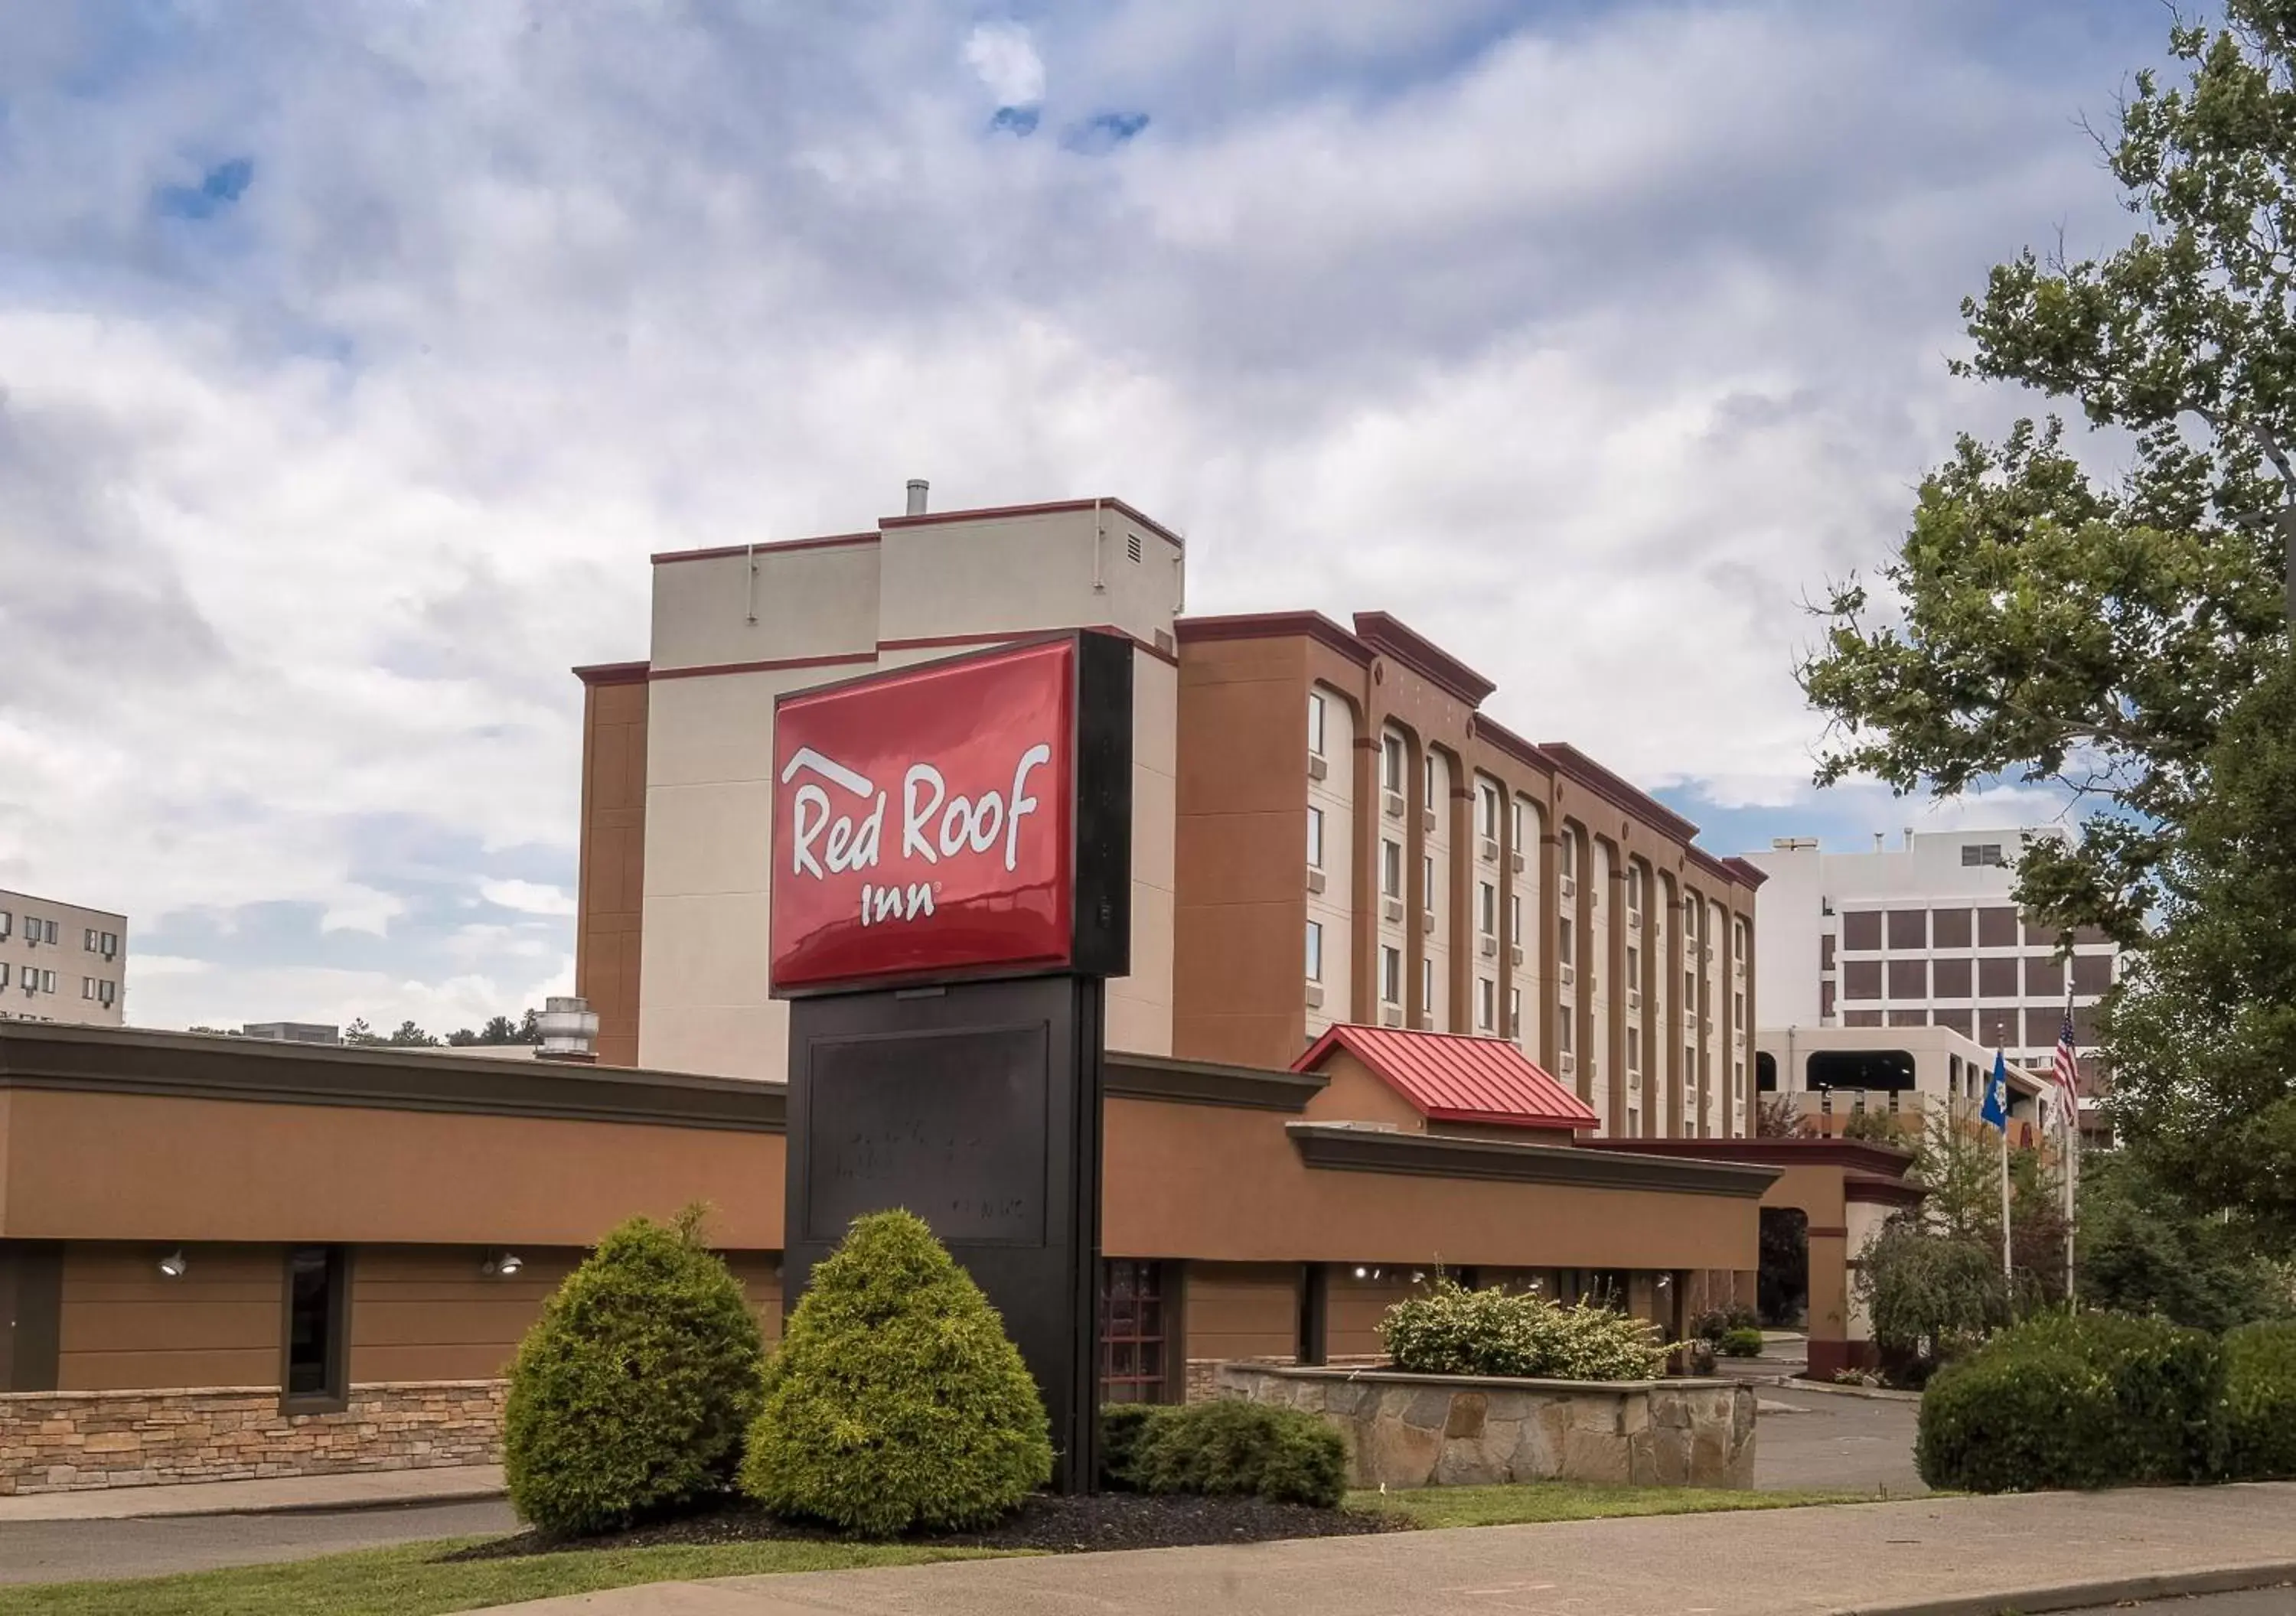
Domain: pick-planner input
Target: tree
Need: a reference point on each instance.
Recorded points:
(499, 1030)
(1777, 1116)
(529, 1028)
(2056, 629)
(409, 1037)
(2203, 1030)
(2144, 1249)
(359, 1032)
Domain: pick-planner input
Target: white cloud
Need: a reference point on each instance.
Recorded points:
(1005, 59)
(1587, 347)
(527, 897)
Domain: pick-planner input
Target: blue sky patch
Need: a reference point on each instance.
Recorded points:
(1015, 120)
(220, 187)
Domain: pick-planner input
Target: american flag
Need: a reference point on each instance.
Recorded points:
(2067, 1070)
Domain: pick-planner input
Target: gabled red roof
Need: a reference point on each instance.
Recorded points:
(1452, 1078)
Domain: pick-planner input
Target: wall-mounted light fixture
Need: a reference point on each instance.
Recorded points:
(175, 1265)
(502, 1265)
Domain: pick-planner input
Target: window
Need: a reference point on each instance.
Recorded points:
(88, 987)
(1564, 941)
(1634, 1122)
(2092, 974)
(1522, 843)
(1566, 853)
(1428, 763)
(1861, 979)
(1861, 930)
(1738, 1081)
(1390, 761)
(3, 973)
(1996, 979)
(1825, 951)
(4, 925)
(1635, 889)
(1890, 1069)
(1132, 1358)
(1314, 950)
(1390, 976)
(1634, 1049)
(1390, 868)
(1690, 992)
(106, 993)
(1948, 928)
(1426, 986)
(1909, 928)
(318, 1319)
(1514, 1012)
(1996, 928)
(2045, 979)
(1514, 922)
(1958, 1020)
(1949, 979)
(1825, 1000)
(1976, 853)
(1909, 979)
(1738, 940)
(1634, 967)
(47, 981)
(1690, 920)
(1488, 896)
(1486, 809)
(1427, 878)
(1738, 1011)
(1314, 723)
(87, 941)
(1766, 1073)
(1486, 999)
(1562, 1032)
(1315, 838)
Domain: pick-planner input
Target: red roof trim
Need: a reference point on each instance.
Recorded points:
(989, 513)
(1276, 625)
(1616, 791)
(1449, 1077)
(826, 542)
(927, 641)
(1414, 651)
(613, 673)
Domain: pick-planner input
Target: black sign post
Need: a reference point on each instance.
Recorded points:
(975, 1101)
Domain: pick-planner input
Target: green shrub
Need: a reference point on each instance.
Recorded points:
(895, 1402)
(1741, 1343)
(1451, 1330)
(2075, 1400)
(1122, 1427)
(1715, 1323)
(1284, 1454)
(630, 1392)
(2260, 1402)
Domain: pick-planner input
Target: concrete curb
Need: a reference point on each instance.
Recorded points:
(1880, 1394)
(349, 1506)
(2081, 1595)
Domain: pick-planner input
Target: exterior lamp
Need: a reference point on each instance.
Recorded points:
(502, 1265)
(174, 1265)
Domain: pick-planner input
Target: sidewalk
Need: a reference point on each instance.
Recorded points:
(1937, 1556)
(271, 1494)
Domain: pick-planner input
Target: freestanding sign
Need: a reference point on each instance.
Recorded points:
(951, 887)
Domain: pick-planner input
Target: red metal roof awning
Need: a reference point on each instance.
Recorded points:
(1452, 1078)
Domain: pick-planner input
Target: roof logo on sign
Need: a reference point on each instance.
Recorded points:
(930, 831)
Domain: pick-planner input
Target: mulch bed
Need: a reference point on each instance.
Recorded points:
(1047, 1522)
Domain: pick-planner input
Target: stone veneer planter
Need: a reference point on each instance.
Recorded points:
(68, 1441)
(1462, 1431)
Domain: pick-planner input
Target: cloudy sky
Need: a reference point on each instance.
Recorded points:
(354, 356)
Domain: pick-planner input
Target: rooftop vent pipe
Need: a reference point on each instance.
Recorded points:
(918, 488)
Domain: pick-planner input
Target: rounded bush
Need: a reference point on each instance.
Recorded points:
(895, 1402)
(2261, 1401)
(1741, 1343)
(1451, 1330)
(1287, 1456)
(2068, 1400)
(630, 1394)
(1122, 1427)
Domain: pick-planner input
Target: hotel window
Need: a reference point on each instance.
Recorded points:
(1390, 761)
(1521, 836)
(1390, 976)
(1738, 940)
(87, 941)
(1909, 979)
(1132, 1342)
(1634, 1049)
(1486, 809)
(1949, 979)
(1562, 1025)
(1390, 868)
(1690, 992)
(1486, 999)
(1427, 878)
(1634, 967)
(1861, 930)
(1975, 854)
(1996, 928)
(1948, 928)
(1825, 951)
(1488, 896)
(1314, 950)
(3, 973)
(319, 1328)
(1738, 1011)
(1315, 838)
(1428, 763)
(1514, 1012)
(1563, 943)
(1909, 930)
(1635, 890)
(1314, 723)
(1426, 986)
(1567, 854)
(1514, 920)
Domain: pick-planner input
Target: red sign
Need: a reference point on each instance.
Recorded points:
(924, 821)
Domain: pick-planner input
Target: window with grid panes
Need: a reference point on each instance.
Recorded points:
(1132, 1343)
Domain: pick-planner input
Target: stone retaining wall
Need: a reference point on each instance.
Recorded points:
(61, 1441)
(1457, 1431)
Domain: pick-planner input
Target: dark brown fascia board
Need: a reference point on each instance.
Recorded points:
(1275, 625)
(193, 1066)
(1858, 1155)
(991, 513)
(1340, 1148)
(1584, 771)
(1874, 1189)
(1746, 870)
(1198, 1082)
(1414, 651)
(1500, 738)
(614, 673)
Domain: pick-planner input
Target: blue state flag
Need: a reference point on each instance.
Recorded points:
(1996, 1112)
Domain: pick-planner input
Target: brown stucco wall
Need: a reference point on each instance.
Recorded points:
(426, 1313)
(609, 894)
(1241, 1309)
(123, 1325)
(99, 1166)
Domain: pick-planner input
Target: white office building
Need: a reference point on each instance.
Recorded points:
(1922, 935)
(61, 962)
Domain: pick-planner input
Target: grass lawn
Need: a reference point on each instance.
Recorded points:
(401, 1582)
(1537, 1501)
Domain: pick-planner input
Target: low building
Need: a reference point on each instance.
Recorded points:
(1829, 1076)
(220, 1253)
(61, 962)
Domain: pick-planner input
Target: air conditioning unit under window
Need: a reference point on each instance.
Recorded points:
(1315, 880)
(1516, 953)
(1487, 851)
(1569, 974)
(1426, 920)
(1569, 885)
(1390, 1016)
(1517, 861)
(1315, 996)
(1490, 947)
(1634, 998)
(1567, 1063)
(1390, 909)
(1634, 920)
(1427, 820)
(1426, 1021)
(1317, 769)
(1391, 804)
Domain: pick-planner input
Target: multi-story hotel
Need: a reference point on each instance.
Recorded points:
(60, 962)
(1924, 935)
(1328, 828)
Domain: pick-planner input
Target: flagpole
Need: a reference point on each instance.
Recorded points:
(2008, 1265)
(2070, 1166)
